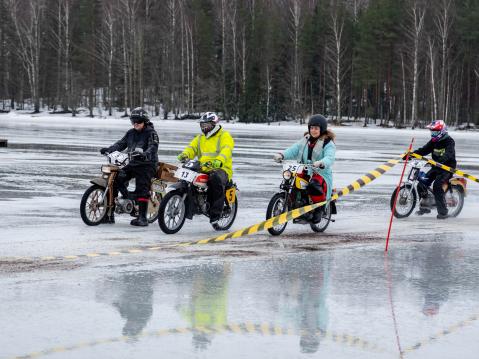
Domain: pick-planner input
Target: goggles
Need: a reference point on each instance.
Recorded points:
(135, 120)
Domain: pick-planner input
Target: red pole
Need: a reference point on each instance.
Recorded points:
(397, 193)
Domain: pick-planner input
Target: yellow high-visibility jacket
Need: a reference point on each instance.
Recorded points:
(217, 147)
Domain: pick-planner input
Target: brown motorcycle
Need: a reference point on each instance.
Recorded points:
(99, 201)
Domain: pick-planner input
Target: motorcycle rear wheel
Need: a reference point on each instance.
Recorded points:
(325, 219)
(172, 212)
(406, 201)
(226, 222)
(93, 205)
(456, 197)
(154, 208)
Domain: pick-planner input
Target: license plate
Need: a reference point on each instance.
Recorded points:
(185, 174)
(292, 167)
(230, 195)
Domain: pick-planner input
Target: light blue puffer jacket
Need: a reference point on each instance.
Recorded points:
(299, 152)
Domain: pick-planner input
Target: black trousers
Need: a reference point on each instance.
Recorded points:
(439, 177)
(216, 193)
(142, 174)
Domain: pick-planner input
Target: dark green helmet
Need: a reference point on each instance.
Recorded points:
(320, 121)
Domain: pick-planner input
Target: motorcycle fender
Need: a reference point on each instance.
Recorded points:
(99, 181)
(459, 182)
(333, 208)
(177, 185)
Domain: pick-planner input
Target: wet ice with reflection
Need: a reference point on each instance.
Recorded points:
(335, 304)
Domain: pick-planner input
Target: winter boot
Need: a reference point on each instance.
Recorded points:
(422, 211)
(317, 215)
(442, 216)
(141, 221)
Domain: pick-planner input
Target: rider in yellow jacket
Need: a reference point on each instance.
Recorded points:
(214, 150)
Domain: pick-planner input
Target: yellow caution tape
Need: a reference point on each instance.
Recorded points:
(234, 328)
(445, 168)
(442, 333)
(269, 223)
(295, 213)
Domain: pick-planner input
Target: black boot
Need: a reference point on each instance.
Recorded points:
(317, 215)
(141, 221)
(442, 216)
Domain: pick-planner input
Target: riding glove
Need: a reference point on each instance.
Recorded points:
(278, 157)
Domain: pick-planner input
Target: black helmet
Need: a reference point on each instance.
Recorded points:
(139, 115)
(320, 121)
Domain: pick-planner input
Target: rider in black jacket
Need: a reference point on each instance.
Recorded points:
(142, 144)
(442, 147)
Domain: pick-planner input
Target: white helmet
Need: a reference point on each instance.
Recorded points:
(209, 117)
(208, 122)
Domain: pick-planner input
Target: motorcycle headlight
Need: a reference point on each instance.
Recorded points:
(287, 175)
(106, 169)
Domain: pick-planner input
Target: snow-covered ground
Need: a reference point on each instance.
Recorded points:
(426, 285)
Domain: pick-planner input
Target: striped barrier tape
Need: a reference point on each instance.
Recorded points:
(442, 333)
(264, 329)
(269, 223)
(295, 213)
(445, 168)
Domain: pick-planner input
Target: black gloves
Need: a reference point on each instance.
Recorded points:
(405, 155)
(104, 150)
(138, 156)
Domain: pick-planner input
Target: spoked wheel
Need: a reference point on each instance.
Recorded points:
(454, 200)
(277, 205)
(153, 207)
(171, 216)
(325, 219)
(93, 205)
(406, 201)
(227, 217)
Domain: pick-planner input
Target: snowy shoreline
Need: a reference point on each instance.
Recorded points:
(56, 120)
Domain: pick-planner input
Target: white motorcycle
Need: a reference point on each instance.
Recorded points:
(416, 189)
(188, 197)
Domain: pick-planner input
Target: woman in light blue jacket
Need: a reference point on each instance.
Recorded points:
(316, 148)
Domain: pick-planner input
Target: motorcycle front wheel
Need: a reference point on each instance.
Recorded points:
(172, 212)
(277, 205)
(325, 219)
(93, 205)
(406, 201)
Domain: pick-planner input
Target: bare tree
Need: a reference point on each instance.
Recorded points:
(295, 25)
(417, 11)
(432, 66)
(27, 17)
(107, 45)
(336, 52)
(444, 21)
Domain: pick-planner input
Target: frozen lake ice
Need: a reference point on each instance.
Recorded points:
(297, 295)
